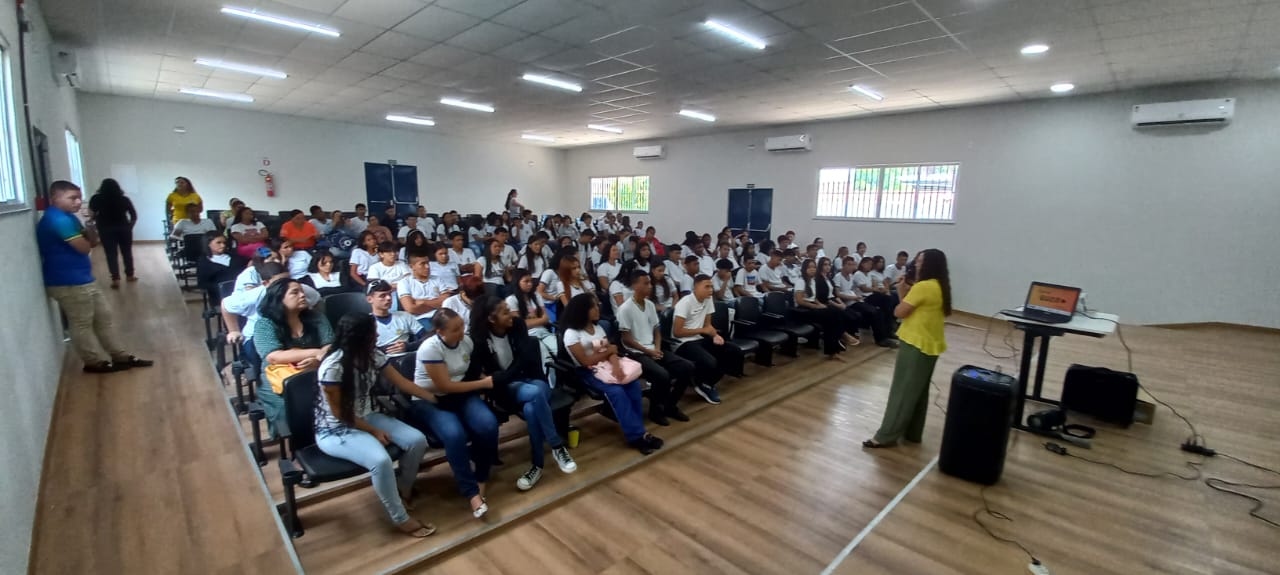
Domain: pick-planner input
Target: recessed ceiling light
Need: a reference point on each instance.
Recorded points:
(868, 92)
(549, 81)
(1062, 88)
(727, 30)
(697, 115)
(603, 128)
(411, 120)
(245, 68)
(280, 21)
(216, 94)
(537, 138)
(1032, 49)
(466, 104)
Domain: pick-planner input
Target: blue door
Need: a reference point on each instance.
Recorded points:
(387, 184)
(751, 209)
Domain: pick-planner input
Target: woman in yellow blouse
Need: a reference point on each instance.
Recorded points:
(926, 300)
(183, 195)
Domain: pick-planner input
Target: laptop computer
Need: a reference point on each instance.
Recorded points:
(1048, 303)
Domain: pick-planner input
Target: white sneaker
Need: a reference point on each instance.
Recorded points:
(564, 460)
(529, 479)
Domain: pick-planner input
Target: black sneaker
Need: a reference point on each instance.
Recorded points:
(104, 367)
(642, 445)
(134, 361)
(674, 413)
(656, 416)
(654, 441)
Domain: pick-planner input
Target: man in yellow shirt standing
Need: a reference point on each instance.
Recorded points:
(926, 301)
(183, 195)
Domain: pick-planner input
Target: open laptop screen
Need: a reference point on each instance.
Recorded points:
(1052, 298)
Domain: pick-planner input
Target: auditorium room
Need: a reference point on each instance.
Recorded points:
(662, 287)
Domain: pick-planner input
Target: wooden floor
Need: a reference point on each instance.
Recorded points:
(772, 481)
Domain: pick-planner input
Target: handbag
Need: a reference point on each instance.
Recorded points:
(276, 373)
(603, 371)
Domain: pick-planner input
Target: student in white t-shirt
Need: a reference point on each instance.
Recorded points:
(459, 255)
(192, 224)
(665, 291)
(725, 252)
(722, 282)
(525, 302)
(691, 271)
(420, 294)
(588, 345)
(675, 267)
(298, 261)
(532, 258)
(320, 220)
(363, 256)
(608, 269)
(706, 263)
(699, 342)
(811, 308)
(747, 282)
(668, 374)
(426, 225)
(399, 333)
(410, 225)
(322, 276)
(470, 288)
(459, 417)
(389, 267)
(444, 271)
(359, 222)
(860, 251)
(773, 276)
(895, 270)
(864, 283)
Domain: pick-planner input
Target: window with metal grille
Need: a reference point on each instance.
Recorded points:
(909, 192)
(620, 194)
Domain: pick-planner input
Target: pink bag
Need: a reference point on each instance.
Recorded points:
(603, 371)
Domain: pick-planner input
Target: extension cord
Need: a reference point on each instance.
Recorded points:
(1196, 448)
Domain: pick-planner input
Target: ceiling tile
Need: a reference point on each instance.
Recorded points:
(407, 71)
(397, 45)
(537, 15)
(380, 13)
(482, 9)
(443, 56)
(530, 49)
(486, 37)
(366, 62)
(435, 23)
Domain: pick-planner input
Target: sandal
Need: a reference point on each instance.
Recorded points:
(479, 512)
(871, 444)
(416, 529)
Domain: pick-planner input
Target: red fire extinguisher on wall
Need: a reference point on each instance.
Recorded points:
(270, 181)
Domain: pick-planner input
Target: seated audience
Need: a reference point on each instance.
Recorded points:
(364, 256)
(444, 269)
(379, 230)
(229, 217)
(698, 340)
(323, 277)
(459, 255)
(290, 337)
(300, 231)
(389, 267)
(722, 283)
(421, 294)
(668, 374)
(192, 224)
(249, 233)
(358, 223)
(747, 282)
(216, 266)
(829, 320)
(493, 267)
(525, 302)
(533, 260)
(415, 242)
(861, 312)
(399, 333)
(470, 288)
(296, 260)
(320, 221)
(664, 290)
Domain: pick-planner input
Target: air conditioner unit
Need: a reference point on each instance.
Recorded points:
(797, 143)
(649, 152)
(1217, 111)
(65, 64)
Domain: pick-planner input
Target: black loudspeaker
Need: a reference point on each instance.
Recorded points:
(1105, 394)
(979, 415)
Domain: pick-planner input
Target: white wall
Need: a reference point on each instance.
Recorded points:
(30, 335)
(1165, 226)
(313, 161)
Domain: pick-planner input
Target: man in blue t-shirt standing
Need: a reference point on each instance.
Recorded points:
(68, 277)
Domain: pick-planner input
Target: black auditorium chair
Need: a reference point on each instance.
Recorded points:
(738, 349)
(214, 216)
(192, 250)
(244, 375)
(340, 304)
(309, 465)
(777, 306)
(666, 319)
(748, 324)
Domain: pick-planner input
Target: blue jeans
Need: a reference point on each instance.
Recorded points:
(455, 419)
(363, 449)
(626, 401)
(532, 397)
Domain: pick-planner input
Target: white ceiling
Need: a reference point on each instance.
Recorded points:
(640, 61)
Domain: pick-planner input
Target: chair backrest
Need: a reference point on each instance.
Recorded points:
(227, 288)
(192, 247)
(775, 302)
(748, 309)
(434, 217)
(283, 214)
(665, 320)
(475, 221)
(494, 290)
(300, 394)
(260, 214)
(340, 304)
(720, 318)
(214, 216)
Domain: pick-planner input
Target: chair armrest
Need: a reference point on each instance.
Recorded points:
(773, 316)
(744, 323)
(289, 472)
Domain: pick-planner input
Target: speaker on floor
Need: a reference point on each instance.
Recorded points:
(1111, 396)
(976, 434)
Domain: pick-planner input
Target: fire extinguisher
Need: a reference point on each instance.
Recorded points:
(270, 181)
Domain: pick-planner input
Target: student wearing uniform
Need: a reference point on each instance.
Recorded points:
(421, 294)
(563, 280)
(64, 245)
(445, 270)
(448, 226)
(323, 277)
(926, 301)
(706, 263)
(383, 233)
(459, 416)
(532, 260)
(249, 233)
(791, 268)
(347, 427)
(363, 256)
(297, 261)
(389, 267)
(860, 252)
(192, 224)
(587, 345)
(415, 242)
(358, 223)
(217, 266)
(699, 342)
(620, 288)
(493, 268)
(505, 351)
(320, 220)
(607, 271)
(722, 283)
(399, 333)
(425, 224)
(300, 231)
(725, 252)
(859, 311)
(895, 270)
(747, 282)
(509, 254)
(664, 290)
(410, 226)
(810, 309)
(470, 288)
(669, 375)
(866, 286)
(773, 276)
(881, 280)
(525, 302)
(459, 256)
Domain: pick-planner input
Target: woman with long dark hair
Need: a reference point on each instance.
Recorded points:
(513, 206)
(217, 266)
(525, 302)
(926, 301)
(811, 309)
(365, 255)
(289, 337)
(249, 233)
(533, 261)
(114, 214)
(664, 292)
(505, 351)
(323, 277)
(183, 195)
(348, 428)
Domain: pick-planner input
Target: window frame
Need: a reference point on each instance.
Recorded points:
(21, 201)
(817, 196)
(75, 162)
(591, 208)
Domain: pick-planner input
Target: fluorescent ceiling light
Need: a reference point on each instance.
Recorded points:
(537, 138)
(465, 104)
(280, 21)
(549, 81)
(868, 92)
(697, 115)
(1062, 88)
(1032, 49)
(216, 94)
(602, 128)
(747, 39)
(411, 120)
(247, 69)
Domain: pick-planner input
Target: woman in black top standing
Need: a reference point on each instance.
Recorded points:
(115, 217)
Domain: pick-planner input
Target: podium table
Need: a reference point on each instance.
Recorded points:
(1093, 325)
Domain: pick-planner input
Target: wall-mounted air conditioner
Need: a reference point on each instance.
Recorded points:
(1217, 111)
(797, 143)
(648, 152)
